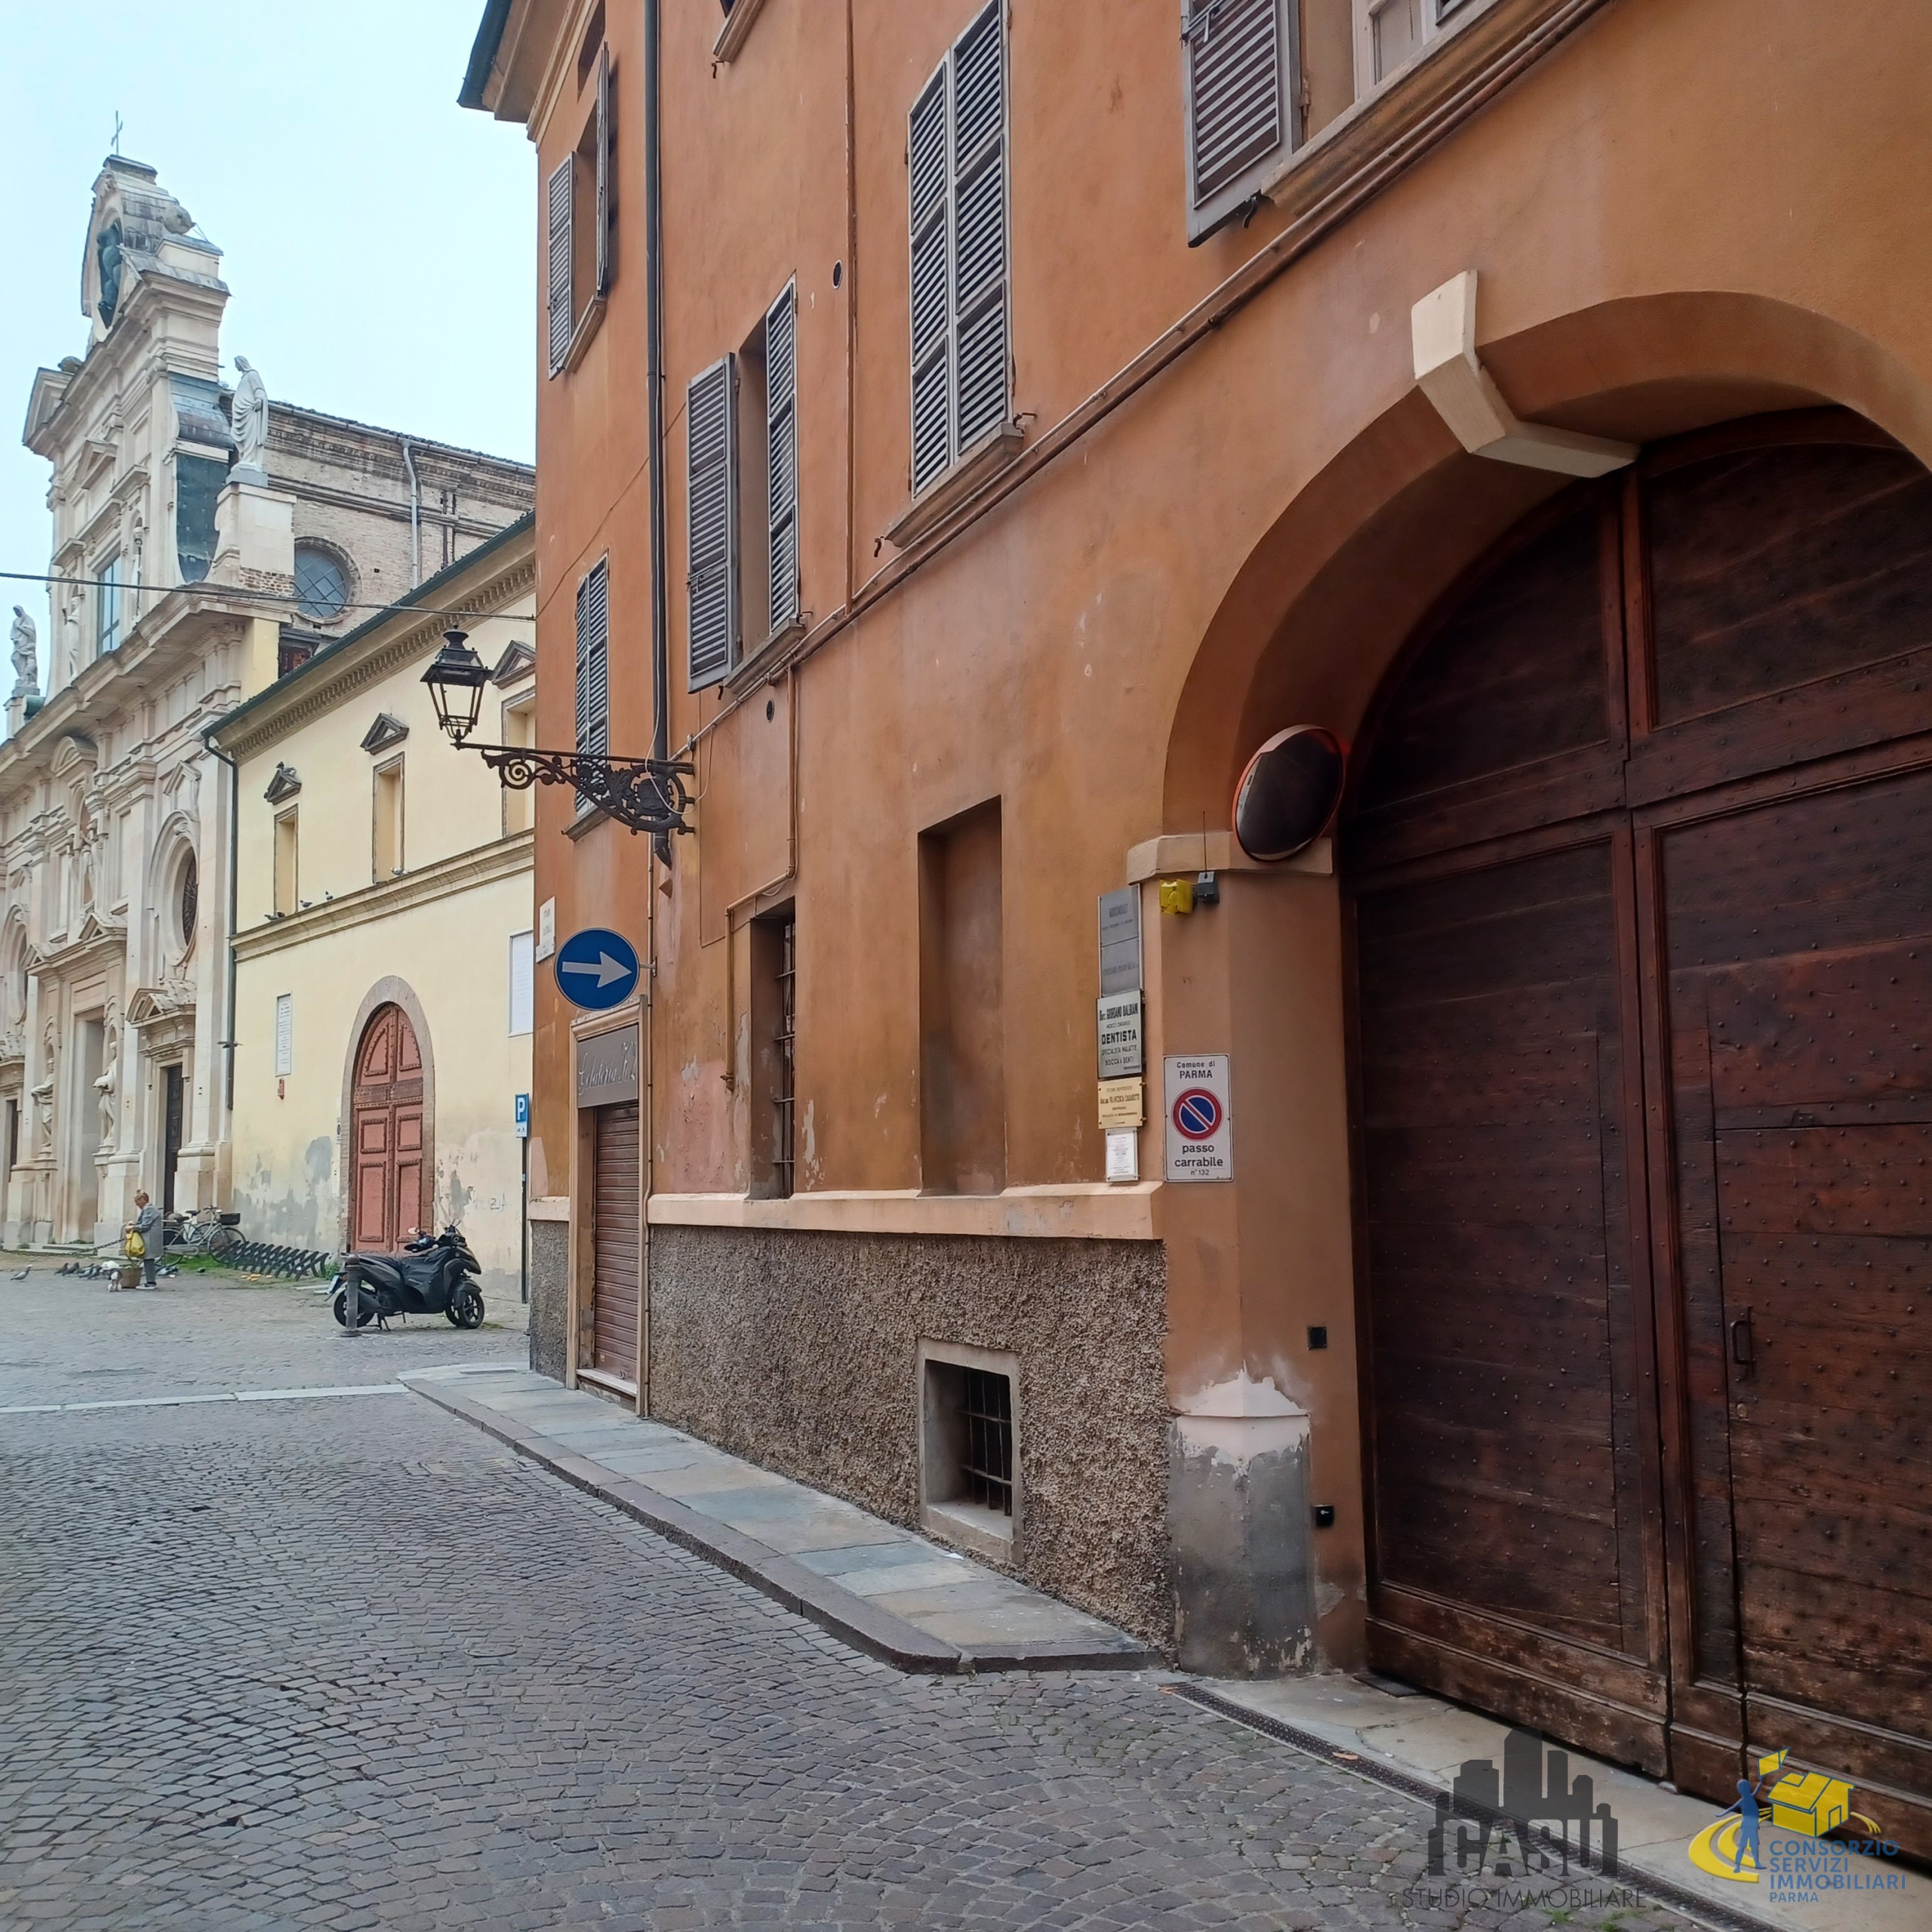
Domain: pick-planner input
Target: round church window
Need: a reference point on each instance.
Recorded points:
(321, 584)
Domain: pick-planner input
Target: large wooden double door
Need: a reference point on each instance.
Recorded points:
(1640, 873)
(388, 1198)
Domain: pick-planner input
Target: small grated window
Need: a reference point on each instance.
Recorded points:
(986, 1408)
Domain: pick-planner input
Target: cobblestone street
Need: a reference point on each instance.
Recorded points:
(346, 1661)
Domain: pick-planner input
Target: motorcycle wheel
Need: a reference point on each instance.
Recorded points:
(465, 1308)
(365, 1314)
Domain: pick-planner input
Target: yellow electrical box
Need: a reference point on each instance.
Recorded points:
(1810, 1802)
(1177, 895)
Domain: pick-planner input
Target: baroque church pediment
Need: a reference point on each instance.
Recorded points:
(150, 1005)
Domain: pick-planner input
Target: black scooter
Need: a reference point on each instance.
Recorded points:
(431, 1276)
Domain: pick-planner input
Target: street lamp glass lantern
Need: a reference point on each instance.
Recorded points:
(456, 681)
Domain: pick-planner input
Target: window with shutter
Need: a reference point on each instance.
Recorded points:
(604, 182)
(712, 523)
(956, 161)
(781, 457)
(1241, 87)
(557, 199)
(593, 667)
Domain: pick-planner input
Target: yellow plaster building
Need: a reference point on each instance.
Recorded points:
(383, 949)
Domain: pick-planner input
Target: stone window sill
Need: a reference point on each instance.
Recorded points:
(754, 669)
(1456, 75)
(975, 469)
(969, 1526)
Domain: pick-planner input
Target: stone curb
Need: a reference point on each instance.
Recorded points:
(842, 1613)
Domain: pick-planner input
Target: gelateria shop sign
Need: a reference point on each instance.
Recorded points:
(607, 1067)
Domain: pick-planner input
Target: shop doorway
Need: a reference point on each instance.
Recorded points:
(389, 1186)
(1640, 887)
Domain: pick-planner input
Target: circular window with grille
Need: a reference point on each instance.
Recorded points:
(188, 898)
(322, 583)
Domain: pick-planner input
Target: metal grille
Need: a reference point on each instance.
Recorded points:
(986, 1409)
(787, 1039)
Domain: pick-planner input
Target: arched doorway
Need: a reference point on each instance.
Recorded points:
(1640, 884)
(389, 1187)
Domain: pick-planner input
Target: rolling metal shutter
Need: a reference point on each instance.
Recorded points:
(616, 1245)
(712, 522)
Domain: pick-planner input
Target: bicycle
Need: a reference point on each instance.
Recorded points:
(206, 1231)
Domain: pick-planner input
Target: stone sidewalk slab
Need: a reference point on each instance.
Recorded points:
(896, 1596)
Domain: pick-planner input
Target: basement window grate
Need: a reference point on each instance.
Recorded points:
(986, 1409)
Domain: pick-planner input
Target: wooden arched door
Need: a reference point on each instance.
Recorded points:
(389, 1197)
(1640, 880)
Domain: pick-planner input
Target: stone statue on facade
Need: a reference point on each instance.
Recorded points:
(110, 1074)
(248, 420)
(26, 658)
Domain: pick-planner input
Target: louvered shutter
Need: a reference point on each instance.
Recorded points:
(956, 161)
(979, 228)
(603, 131)
(711, 522)
(593, 663)
(781, 455)
(931, 286)
(1241, 89)
(558, 201)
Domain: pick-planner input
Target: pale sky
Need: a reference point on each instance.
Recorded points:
(378, 240)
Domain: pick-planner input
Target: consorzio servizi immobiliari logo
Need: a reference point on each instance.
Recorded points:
(1775, 1836)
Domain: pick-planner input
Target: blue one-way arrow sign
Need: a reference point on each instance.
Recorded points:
(596, 969)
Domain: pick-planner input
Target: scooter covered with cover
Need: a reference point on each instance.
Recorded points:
(433, 1275)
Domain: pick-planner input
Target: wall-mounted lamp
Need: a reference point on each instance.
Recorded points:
(647, 794)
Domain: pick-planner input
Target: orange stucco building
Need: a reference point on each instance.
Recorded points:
(1034, 392)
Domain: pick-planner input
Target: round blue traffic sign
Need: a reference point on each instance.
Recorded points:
(1197, 1114)
(596, 969)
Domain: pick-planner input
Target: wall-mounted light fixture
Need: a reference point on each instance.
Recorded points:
(647, 794)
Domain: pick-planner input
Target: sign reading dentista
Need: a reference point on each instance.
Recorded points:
(1200, 1138)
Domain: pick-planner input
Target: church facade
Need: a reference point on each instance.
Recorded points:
(206, 542)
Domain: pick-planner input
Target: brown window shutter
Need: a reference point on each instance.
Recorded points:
(781, 451)
(711, 522)
(1239, 81)
(557, 199)
(605, 129)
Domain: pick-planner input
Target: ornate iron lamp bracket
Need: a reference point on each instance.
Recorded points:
(647, 794)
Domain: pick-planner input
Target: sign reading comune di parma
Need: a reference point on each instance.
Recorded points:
(1201, 1140)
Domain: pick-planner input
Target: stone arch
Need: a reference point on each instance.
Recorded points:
(390, 990)
(1309, 625)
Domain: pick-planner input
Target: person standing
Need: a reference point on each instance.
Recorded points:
(147, 1225)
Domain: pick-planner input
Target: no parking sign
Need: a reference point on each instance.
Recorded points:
(1201, 1140)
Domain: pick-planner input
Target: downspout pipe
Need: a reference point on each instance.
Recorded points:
(226, 1041)
(654, 246)
(415, 515)
(660, 663)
